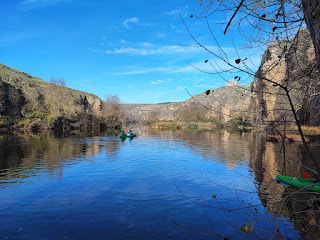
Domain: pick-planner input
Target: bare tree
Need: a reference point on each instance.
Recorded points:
(58, 81)
(151, 117)
(280, 23)
(268, 21)
(264, 22)
(114, 112)
(191, 113)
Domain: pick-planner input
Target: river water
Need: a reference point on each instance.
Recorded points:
(161, 185)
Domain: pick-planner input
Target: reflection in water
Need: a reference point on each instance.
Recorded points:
(231, 148)
(267, 161)
(22, 157)
(301, 207)
(213, 181)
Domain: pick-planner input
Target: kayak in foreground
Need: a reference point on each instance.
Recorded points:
(131, 135)
(309, 184)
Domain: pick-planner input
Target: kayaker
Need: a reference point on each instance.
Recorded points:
(130, 132)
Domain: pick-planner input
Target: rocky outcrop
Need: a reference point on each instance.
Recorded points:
(291, 65)
(12, 101)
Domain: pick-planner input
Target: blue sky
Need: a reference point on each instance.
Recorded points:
(137, 50)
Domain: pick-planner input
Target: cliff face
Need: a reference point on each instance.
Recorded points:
(290, 64)
(11, 101)
(27, 99)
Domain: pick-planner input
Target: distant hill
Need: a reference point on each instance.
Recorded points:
(221, 105)
(30, 103)
(226, 103)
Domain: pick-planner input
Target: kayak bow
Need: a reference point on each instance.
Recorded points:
(309, 184)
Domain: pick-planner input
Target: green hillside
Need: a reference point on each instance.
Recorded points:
(28, 103)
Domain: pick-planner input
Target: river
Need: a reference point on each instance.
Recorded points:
(161, 185)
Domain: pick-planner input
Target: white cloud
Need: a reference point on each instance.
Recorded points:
(176, 12)
(155, 82)
(149, 49)
(173, 12)
(134, 20)
(131, 70)
(145, 44)
(122, 41)
(160, 35)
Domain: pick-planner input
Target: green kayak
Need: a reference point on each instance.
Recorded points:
(309, 184)
(131, 135)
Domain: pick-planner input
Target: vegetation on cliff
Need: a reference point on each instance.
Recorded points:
(31, 104)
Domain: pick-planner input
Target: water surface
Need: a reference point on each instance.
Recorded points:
(161, 185)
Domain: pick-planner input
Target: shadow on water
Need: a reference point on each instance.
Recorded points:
(24, 157)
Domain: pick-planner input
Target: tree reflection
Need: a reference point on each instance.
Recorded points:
(25, 156)
(300, 206)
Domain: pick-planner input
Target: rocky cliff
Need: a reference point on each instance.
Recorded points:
(291, 65)
(29, 102)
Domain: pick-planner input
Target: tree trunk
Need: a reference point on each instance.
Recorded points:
(311, 10)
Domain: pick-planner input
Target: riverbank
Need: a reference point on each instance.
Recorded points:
(178, 125)
(291, 134)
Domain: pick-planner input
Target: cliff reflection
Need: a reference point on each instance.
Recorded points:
(267, 161)
(233, 148)
(21, 157)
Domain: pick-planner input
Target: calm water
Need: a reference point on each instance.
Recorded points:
(161, 185)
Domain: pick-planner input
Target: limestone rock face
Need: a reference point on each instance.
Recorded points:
(290, 64)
